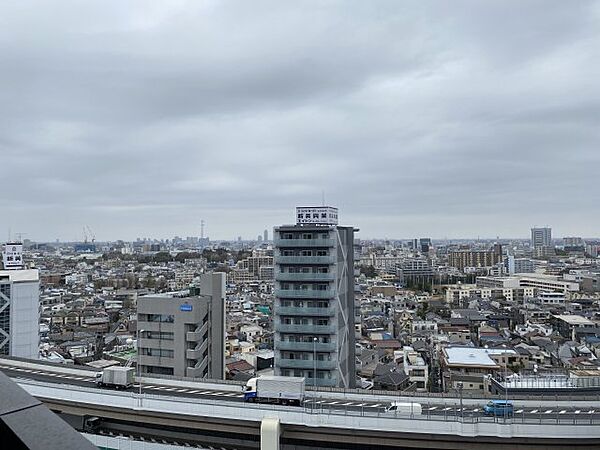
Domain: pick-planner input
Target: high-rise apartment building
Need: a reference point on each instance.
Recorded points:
(425, 244)
(19, 305)
(314, 299)
(182, 334)
(541, 237)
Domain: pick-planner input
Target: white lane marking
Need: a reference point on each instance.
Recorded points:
(476, 410)
(347, 404)
(563, 411)
(195, 392)
(447, 409)
(216, 393)
(519, 411)
(205, 392)
(548, 411)
(375, 405)
(169, 389)
(592, 411)
(147, 386)
(78, 378)
(331, 403)
(361, 404)
(36, 371)
(181, 390)
(433, 408)
(577, 411)
(533, 411)
(231, 394)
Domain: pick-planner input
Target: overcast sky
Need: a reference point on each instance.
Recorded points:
(416, 118)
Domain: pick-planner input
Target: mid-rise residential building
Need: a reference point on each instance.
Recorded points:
(455, 293)
(519, 265)
(541, 237)
(462, 259)
(19, 313)
(314, 299)
(415, 270)
(19, 305)
(184, 335)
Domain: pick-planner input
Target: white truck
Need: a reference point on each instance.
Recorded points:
(404, 409)
(275, 389)
(116, 376)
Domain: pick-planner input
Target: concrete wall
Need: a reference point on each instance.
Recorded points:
(24, 319)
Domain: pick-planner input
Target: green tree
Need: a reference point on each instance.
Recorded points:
(369, 271)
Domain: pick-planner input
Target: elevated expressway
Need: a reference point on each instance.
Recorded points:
(193, 412)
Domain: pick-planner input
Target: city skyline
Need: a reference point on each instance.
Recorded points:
(414, 119)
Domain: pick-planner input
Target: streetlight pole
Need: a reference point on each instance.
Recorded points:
(139, 370)
(315, 362)
(460, 389)
(506, 388)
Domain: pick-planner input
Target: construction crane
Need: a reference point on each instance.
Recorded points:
(91, 234)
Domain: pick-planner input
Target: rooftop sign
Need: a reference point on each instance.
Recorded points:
(316, 215)
(12, 256)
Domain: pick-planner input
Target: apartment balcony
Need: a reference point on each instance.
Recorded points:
(305, 259)
(305, 242)
(198, 370)
(305, 329)
(193, 353)
(288, 276)
(292, 311)
(196, 335)
(304, 293)
(305, 364)
(305, 346)
(193, 336)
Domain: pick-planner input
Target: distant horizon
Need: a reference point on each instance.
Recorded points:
(434, 239)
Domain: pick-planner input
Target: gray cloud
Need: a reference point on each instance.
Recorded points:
(426, 118)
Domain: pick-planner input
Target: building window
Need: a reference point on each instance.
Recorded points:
(160, 352)
(168, 318)
(165, 336)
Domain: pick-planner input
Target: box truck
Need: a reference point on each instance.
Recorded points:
(116, 376)
(275, 389)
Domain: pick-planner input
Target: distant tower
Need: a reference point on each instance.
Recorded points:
(265, 235)
(202, 229)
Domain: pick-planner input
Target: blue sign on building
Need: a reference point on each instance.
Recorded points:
(185, 307)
